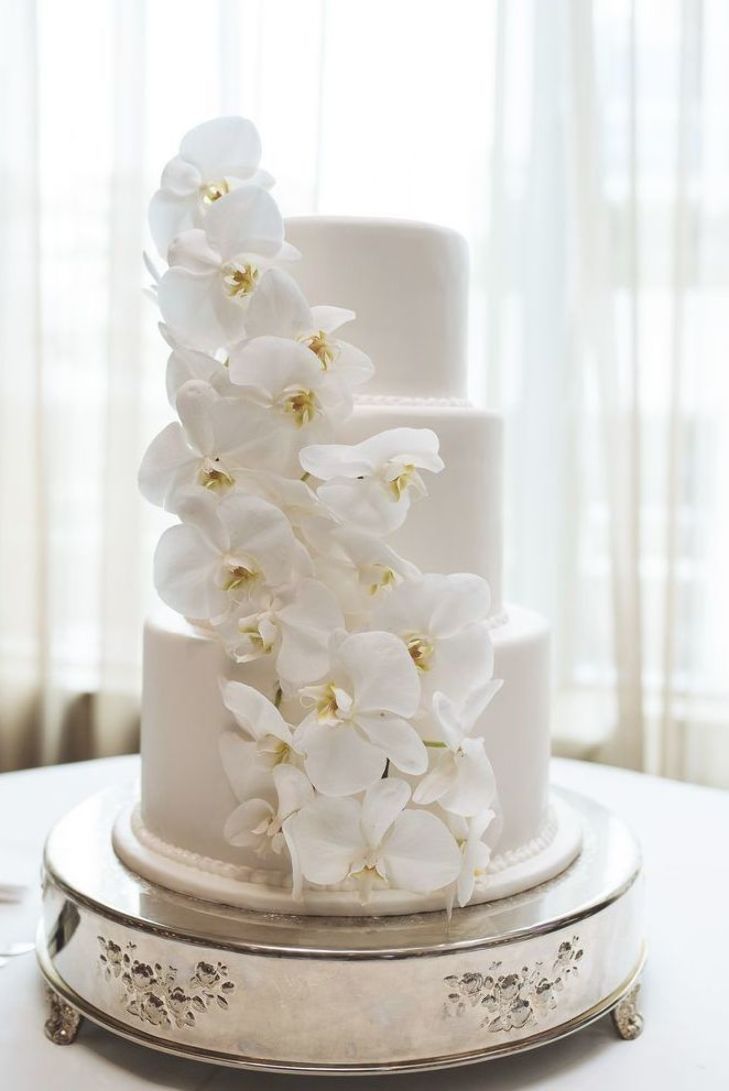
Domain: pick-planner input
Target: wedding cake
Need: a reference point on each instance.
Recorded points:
(341, 715)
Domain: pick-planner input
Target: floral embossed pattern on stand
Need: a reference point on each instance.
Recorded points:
(510, 1000)
(154, 994)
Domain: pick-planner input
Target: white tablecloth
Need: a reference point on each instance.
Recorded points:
(684, 831)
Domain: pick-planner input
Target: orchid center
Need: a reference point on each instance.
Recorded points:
(213, 191)
(322, 346)
(240, 575)
(240, 280)
(404, 479)
(331, 702)
(302, 405)
(378, 577)
(421, 651)
(369, 870)
(270, 828)
(255, 636)
(276, 750)
(214, 476)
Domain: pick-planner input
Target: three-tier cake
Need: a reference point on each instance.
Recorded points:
(341, 714)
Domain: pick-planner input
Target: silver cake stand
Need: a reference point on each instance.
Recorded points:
(337, 995)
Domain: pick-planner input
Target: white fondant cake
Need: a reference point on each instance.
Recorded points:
(346, 727)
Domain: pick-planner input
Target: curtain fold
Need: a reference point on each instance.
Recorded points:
(580, 145)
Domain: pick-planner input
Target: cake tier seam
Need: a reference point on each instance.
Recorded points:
(415, 400)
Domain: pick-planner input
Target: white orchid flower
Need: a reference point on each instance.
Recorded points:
(224, 553)
(257, 824)
(210, 444)
(284, 381)
(373, 840)
(475, 852)
(369, 485)
(299, 503)
(279, 309)
(185, 364)
(214, 158)
(263, 738)
(359, 568)
(462, 779)
(441, 620)
(359, 718)
(294, 626)
(214, 271)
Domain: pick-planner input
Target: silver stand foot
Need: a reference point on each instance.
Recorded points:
(627, 1020)
(63, 1022)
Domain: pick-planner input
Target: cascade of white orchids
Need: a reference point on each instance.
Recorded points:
(353, 757)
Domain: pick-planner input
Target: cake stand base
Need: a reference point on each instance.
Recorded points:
(339, 995)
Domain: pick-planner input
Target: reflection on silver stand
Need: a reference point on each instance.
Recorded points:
(338, 994)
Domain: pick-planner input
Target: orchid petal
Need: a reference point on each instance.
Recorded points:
(191, 250)
(416, 445)
(382, 803)
(193, 303)
(246, 221)
(464, 599)
(473, 785)
(293, 788)
(239, 757)
(169, 214)
(398, 739)
(241, 824)
(461, 662)
(185, 364)
(435, 783)
(194, 403)
(222, 147)
(329, 319)
(419, 853)
(328, 837)
(254, 713)
(260, 530)
(168, 463)
(306, 625)
(180, 177)
(339, 762)
(327, 460)
(365, 505)
(184, 574)
(382, 672)
(278, 307)
(200, 509)
(273, 364)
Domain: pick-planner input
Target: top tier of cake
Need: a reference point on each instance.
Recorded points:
(416, 334)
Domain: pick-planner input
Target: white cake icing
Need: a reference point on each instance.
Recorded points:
(339, 734)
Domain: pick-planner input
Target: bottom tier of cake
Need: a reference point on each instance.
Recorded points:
(174, 836)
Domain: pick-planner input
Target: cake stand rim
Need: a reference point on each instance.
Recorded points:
(384, 924)
(431, 1064)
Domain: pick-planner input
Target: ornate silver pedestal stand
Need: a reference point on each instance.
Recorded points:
(338, 995)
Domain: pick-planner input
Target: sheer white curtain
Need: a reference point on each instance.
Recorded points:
(581, 148)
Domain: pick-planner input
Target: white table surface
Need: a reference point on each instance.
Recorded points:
(684, 831)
